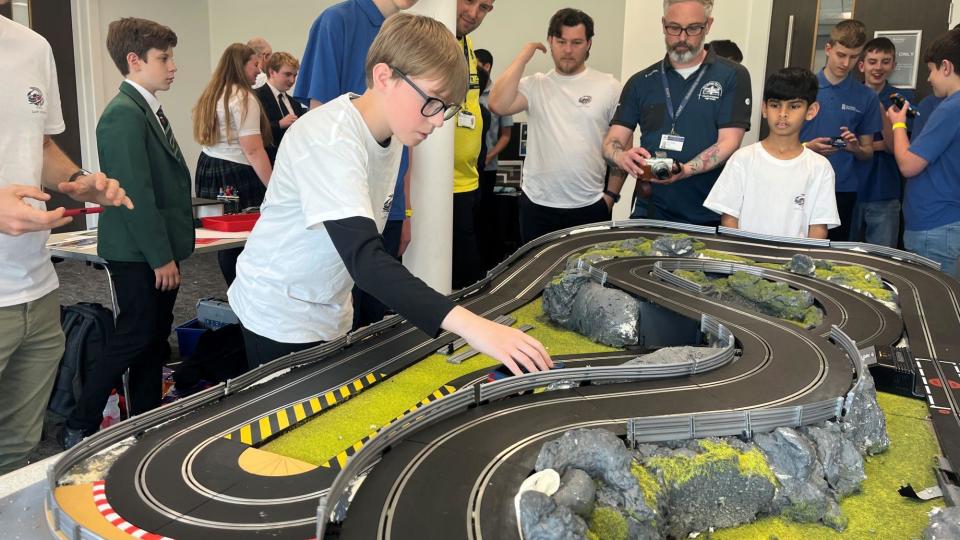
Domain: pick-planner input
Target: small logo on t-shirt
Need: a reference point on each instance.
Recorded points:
(845, 107)
(711, 91)
(800, 200)
(387, 204)
(35, 97)
(585, 100)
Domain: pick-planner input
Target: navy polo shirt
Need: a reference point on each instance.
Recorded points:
(721, 101)
(849, 104)
(926, 107)
(933, 197)
(880, 176)
(334, 64)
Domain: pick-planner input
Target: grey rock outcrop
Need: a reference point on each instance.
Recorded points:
(842, 462)
(674, 246)
(804, 495)
(864, 422)
(673, 356)
(801, 264)
(944, 524)
(577, 492)
(776, 299)
(605, 315)
(560, 294)
(542, 519)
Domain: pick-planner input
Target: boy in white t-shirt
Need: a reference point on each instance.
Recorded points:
(328, 201)
(777, 186)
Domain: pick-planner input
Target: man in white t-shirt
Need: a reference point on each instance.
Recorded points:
(777, 186)
(31, 341)
(568, 111)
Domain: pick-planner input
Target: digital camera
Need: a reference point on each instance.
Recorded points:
(838, 142)
(660, 167)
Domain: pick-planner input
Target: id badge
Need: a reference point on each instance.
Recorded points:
(671, 142)
(466, 120)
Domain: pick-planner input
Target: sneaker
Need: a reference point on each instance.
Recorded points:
(68, 438)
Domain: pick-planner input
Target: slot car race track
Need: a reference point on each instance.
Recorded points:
(181, 478)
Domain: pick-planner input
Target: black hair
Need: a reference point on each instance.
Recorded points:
(569, 17)
(945, 47)
(880, 44)
(792, 83)
(484, 77)
(726, 49)
(484, 56)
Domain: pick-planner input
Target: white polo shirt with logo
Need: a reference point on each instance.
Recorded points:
(568, 117)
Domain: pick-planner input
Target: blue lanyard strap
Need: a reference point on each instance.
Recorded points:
(686, 98)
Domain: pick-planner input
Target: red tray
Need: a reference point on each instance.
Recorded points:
(231, 222)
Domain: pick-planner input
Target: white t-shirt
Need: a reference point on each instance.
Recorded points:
(568, 117)
(241, 125)
(292, 285)
(776, 196)
(29, 109)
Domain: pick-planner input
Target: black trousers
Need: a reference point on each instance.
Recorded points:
(467, 268)
(537, 220)
(139, 343)
(261, 350)
(846, 202)
(366, 308)
(486, 214)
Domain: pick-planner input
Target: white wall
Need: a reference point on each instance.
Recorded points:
(954, 13)
(514, 23)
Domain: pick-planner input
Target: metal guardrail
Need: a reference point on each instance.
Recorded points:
(595, 273)
(660, 224)
(888, 252)
(814, 242)
(333, 506)
(709, 266)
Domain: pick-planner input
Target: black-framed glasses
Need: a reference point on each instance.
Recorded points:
(431, 105)
(691, 30)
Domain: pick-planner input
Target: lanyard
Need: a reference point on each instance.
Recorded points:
(686, 98)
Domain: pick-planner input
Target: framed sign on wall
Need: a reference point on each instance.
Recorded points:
(907, 43)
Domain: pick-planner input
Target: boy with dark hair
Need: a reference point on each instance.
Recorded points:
(328, 200)
(776, 186)
(727, 49)
(931, 162)
(876, 219)
(143, 246)
(849, 116)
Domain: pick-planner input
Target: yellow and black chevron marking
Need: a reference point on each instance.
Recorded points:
(271, 425)
(341, 459)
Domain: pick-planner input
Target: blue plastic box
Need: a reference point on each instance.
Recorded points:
(188, 334)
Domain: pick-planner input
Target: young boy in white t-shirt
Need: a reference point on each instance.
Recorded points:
(777, 186)
(328, 201)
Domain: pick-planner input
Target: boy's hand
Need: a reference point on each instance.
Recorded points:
(632, 160)
(18, 217)
(895, 114)
(853, 143)
(822, 146)
(96, 188)
(287, 120)
(167, 276)
(508, 345)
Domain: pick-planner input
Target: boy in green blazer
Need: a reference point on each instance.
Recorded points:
(144, 246)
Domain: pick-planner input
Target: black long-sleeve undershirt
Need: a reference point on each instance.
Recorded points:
(378, 273)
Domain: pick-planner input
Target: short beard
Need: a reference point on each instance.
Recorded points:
(684, 57)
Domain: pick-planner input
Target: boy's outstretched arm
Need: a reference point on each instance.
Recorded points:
(730, 222)
(817, 231)
(360, 245)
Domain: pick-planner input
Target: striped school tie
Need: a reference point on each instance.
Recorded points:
(168, 132)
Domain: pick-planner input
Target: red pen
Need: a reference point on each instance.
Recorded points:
(79, 211)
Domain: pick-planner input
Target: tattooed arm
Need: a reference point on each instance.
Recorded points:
(728, 141)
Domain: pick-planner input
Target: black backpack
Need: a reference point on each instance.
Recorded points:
(220, 355)
(87, 328)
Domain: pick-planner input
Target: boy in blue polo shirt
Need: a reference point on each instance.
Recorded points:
(849, 116)
(333, 64)
(931, 163)
(876, 219)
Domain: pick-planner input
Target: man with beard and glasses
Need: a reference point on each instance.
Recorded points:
(691, 106)
(568, 111)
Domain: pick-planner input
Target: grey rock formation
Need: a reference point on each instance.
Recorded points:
(801, 264)
(674, 246)
(842, 462)
(542, 519)
(673, 356)
(559, 295)
(605, 315)
(944, 524)
(776, 299)
(577, 492)
(864, 422)
(804, 495)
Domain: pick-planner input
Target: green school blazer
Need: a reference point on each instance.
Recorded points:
(134, 150)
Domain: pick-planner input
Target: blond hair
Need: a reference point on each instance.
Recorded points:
(850, 33)
(279, 59)
(424, 48)
(228, 79)
(707, 5)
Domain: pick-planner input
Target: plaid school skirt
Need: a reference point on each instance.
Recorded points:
(215, 173)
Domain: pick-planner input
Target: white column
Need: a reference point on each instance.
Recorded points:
(86, 56)
(430, 253)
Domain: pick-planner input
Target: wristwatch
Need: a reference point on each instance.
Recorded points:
(612, 195)
(78, 174)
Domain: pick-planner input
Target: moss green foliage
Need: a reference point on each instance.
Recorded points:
(608, 524)
(330, 432)
(724, 256)
(632, 247)
(878, 511)
(648, 483)
(716, 455)
(857, 278)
